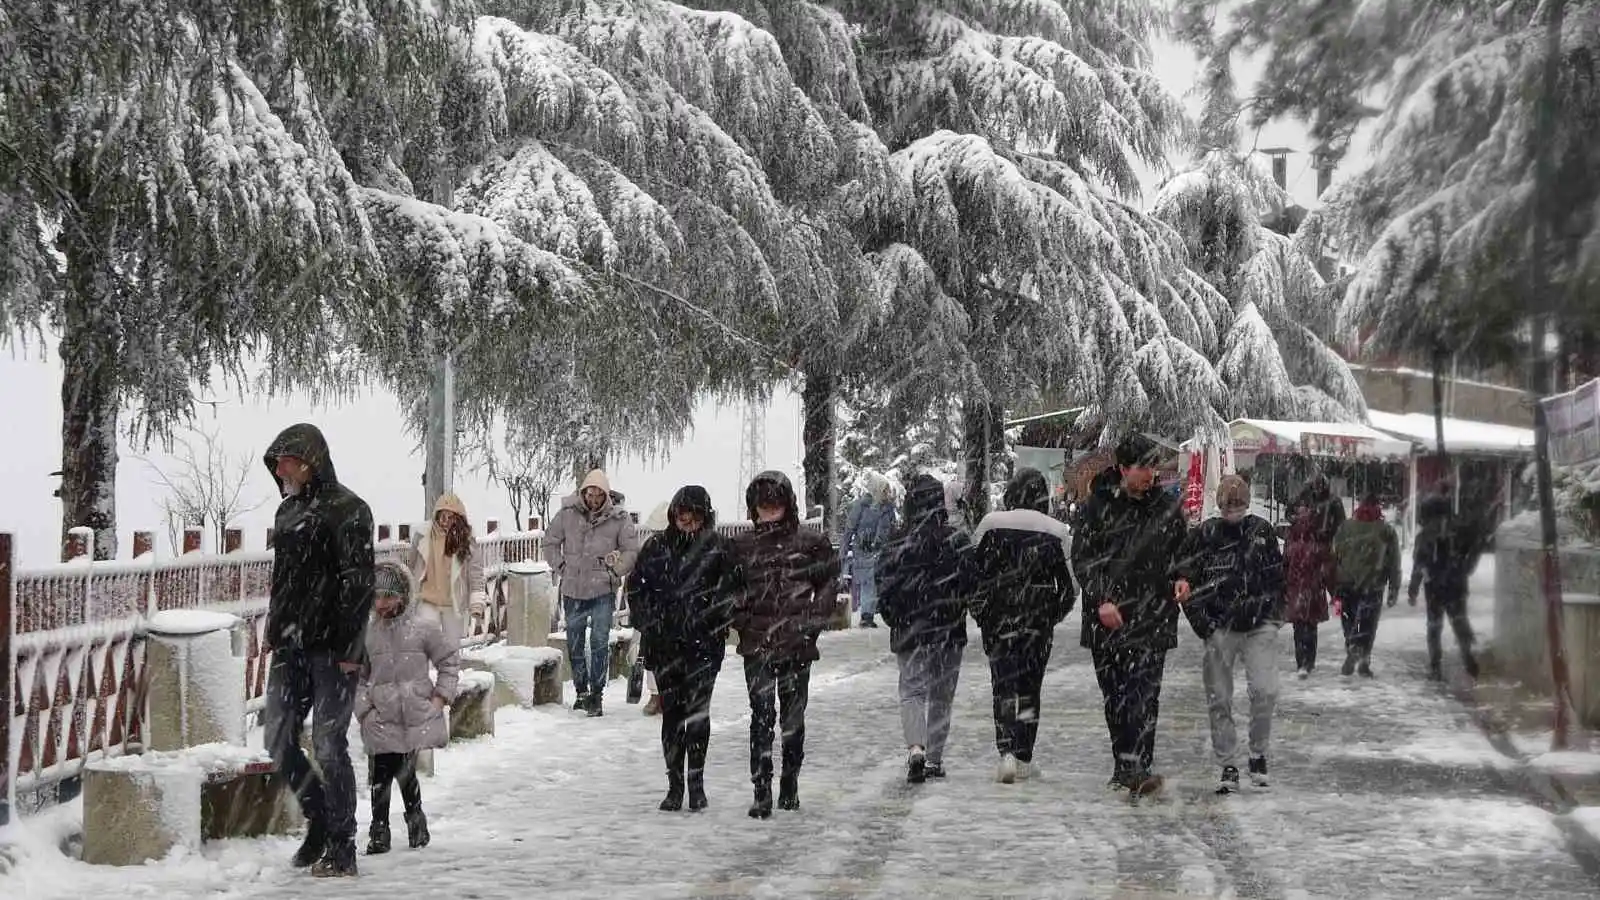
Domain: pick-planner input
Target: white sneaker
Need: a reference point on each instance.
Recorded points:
(1302, 674)
(1008, 770)
(1258, 772)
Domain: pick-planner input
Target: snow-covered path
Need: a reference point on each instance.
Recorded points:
(1384, 789)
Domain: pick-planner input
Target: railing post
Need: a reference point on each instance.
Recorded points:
(494, 525)
(383, 534)
(405, 533)
(533, 523)
(77, 543)
(233, 542)
(192, 537)
(143, 542)
(8, 666)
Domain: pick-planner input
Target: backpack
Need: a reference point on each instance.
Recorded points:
(1362, 553)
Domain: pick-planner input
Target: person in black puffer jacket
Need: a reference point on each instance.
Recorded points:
(1123, 552)
(322, 576)
(788, 592)
(1231, 579)
(1021, 587)
(680, 597)
(922, 596)
(1447, 551)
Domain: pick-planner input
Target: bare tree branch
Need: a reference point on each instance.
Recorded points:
(204, 486)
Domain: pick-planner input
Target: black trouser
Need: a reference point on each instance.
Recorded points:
(299, 683)
(383, 769)
(1017, 662)
(1305, 645)
(684, 686)
(1447, 600)
(1130, 681)
(775, 685)
(1359, 616)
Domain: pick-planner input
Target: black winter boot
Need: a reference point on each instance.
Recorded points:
(697, 790)
(789, 791)
(762, 807)
(378, 839)
(417, 829)
(338, 862)
(582, 703)
(594, 709)
(674, 799)
(315, 844)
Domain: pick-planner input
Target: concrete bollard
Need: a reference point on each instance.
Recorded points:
(133, 814)
(530, 599)
(623, 642)
(472, 713)
(558, 643)
(196, 680)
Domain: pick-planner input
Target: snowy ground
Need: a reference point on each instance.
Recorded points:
(1384, 789)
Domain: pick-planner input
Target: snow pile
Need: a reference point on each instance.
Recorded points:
(475, 680)
(1567, 762)
(206, 759)
(528, 567)
(1458, 750)
(182, 622)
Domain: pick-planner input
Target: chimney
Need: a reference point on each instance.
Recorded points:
(1280, 164)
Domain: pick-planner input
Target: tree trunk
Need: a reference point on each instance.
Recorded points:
(818, 433)
(1439, 357)
(89, 400)
(982, 450)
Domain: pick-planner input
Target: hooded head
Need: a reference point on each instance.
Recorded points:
(392, 588)
(1370, 509)
(595, 491)
(691, 498)
(456, 529)
(925, 501)
(298, 458)
(1028, 489)
(772, 487)
(1233, 498)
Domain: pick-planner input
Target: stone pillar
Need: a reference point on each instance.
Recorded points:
(196, 681)
(472, 713)
(133, 814)
(530, 600)
(405, 533)
(193, 537)
(77, 543)
(143, 542)
(383, 534)
(494, 525)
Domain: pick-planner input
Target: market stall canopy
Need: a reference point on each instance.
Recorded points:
(1341, 440)
(1460, 435)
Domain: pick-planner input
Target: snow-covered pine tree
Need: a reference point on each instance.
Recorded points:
(1438, 223)
(176, 202)
(1268, 339)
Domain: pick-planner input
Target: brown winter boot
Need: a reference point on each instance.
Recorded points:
(652, 707)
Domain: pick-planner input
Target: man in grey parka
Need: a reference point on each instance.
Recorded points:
(592, 543)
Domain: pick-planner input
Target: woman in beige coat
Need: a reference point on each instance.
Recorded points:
(448, 567)
(399, 703)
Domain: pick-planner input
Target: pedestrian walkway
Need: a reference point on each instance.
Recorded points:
(1383, 789)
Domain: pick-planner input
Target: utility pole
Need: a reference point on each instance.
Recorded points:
(1540, 290)
(440, 446)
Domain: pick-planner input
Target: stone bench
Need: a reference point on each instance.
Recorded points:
(622, 643)
(523, 676)
(472, 713)
(142, 807)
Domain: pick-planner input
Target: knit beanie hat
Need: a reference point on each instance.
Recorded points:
(390, 577)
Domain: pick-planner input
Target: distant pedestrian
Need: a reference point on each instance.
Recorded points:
(593, 544)
(448, 567)
(789, 588)
(1367, 554)
(1309, 574)
(400, 705)
(1021, 590)
(322, 571)
(922, 587)
(1327, 510)
(680, 597)
(1447, 550)
(1230, 579)
(1124, 552)
(867, 528)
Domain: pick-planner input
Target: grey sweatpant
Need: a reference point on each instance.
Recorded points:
(1259, 650)
(928, 678)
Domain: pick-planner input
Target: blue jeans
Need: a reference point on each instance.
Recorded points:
(299, 683)
(864, 570)
(589, 619)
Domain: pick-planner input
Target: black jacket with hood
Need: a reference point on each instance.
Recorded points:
(1235, 574)
(681, 590)
(1021, 581)
(790, 580)
(922, 574)
(322, 559)
(1124, 551)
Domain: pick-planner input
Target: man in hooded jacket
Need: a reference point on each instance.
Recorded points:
(1124, 552)
(1447, 551)
(1021, 587)
(790, 581)
(322, 575)
(593, 543)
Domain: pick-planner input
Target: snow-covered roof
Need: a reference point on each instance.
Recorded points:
(1338, 439)
(1460, 435)
(1070, 415)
